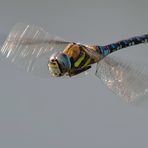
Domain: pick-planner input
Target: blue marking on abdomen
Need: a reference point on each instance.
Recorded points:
(105, 51)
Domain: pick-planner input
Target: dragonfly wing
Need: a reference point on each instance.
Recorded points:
(124, 78)
(30, 47)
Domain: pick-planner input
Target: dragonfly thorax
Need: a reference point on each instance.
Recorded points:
(59, 64)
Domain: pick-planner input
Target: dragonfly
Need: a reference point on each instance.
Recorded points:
(35, 50)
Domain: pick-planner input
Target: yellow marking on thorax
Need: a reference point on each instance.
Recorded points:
(74, 50)
(87, 63)
(78, 62)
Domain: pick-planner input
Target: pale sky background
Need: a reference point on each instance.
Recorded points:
(79, 112)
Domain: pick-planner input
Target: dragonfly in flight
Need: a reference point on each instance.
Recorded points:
(35, 50)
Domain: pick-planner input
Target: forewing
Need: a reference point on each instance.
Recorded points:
(30, 47)
(124, 78)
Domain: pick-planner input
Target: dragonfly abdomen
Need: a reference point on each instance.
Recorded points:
(107, 49)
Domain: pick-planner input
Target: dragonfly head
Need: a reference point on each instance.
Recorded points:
(59, 64)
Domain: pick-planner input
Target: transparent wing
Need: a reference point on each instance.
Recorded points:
(29, 47)
(124, 78)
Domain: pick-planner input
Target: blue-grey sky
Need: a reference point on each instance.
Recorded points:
(79, 112)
